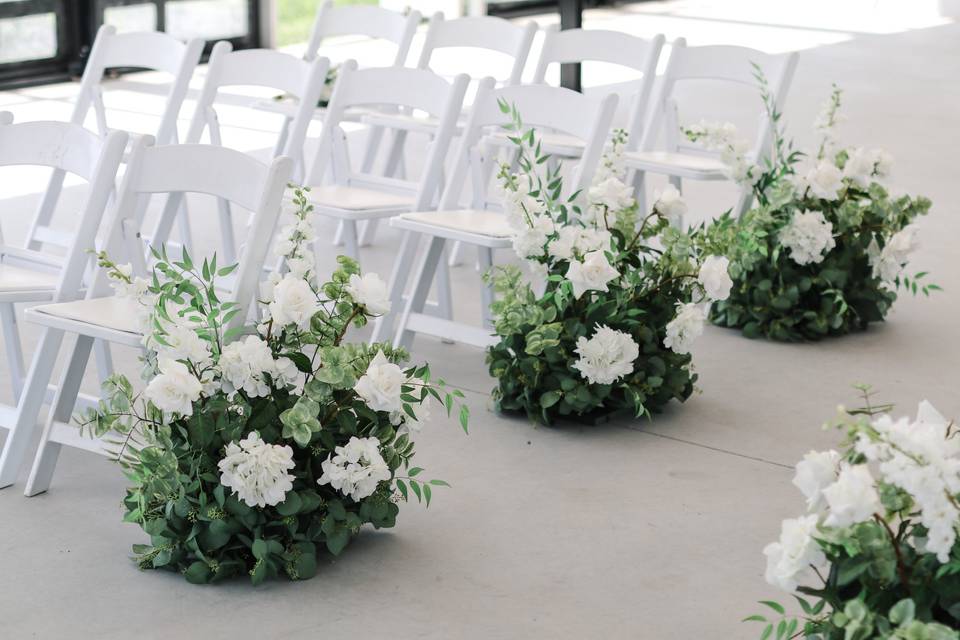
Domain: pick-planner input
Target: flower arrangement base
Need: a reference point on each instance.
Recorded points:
(594, 418)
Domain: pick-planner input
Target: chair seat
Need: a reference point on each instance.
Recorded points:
(554, 144)
(474, 226)
(110, 318)
(16, 279)
(358, 202)
(685, 165)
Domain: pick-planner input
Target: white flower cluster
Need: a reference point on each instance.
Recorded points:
(256, 471)
(592, 273)
(291, 297)
(714, 279)
(808, 236)
(382, 384)
(824, 181)
(865, 164)
(369, 291)
(245, 365)
(174, 389)
(607, 356)
(356, 469)
(919, 457)
(724, 139)
(887, 263)
(669, 203)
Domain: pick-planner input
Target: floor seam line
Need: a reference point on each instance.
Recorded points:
(711, 448)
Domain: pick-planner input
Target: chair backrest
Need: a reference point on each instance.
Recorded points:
(541, 107)
(612, 47)
(480, 32)
(261, 68)
(724, 63)
(213, 170)
(396, 88)
(363, 20)
(142, 50)
(71, 148)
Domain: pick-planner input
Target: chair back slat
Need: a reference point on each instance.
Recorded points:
(480, 32)
(363, 20)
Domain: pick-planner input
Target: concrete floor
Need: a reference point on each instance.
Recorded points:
(638, 529)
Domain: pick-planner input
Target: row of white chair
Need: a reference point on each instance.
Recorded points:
(75, 295)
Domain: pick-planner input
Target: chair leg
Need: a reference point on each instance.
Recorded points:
(374, 138)
(338, 235)
(455, 260)
(11, 338)
(678, 183)
(399, 276)
(395, 166)
(486, 290)
(351, 245)
(226, 231)
(639, 182)
(45, 460)
(444, 295)
(104, 358)
(28, 408)
(423, 279)
(183, 225)
(744, 201)
(368, 232)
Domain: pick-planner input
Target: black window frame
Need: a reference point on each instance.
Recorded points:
(77, 22)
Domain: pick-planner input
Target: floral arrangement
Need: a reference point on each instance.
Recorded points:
(824, 250)
(253, 448)
(622, 298)
(876, 554)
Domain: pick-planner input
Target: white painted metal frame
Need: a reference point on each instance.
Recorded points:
(67, 148)
(541, 107)
(682, 159)
(363, 20)
(175, 170)
(150, 50)
(395, 88)
(261, 68)
(598, 45)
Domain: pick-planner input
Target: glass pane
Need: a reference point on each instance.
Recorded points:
(28, 38)
(208, 19)
(138, 17)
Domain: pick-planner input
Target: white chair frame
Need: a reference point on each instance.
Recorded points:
(66, 148)
(598, 45)
(150, 50)
(484, 33)
(730, 64)
(541, 107)
(261, 68)
(363, 20)
(175, 170)
(395, 88)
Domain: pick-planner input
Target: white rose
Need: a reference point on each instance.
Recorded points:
(607, 356)
(789, 560)
(685, 327)
(714, 277)
(183, 343)
(370, 292)
(888, 262)
(669, 203)
(175, 389)
(825, 181)
(852, 498)
(594, 239)
(592, 274)
(611, 193)
(814, 473)
(294, 302)
(860, 166)
(257, 471)
(380, 386)
(301, 266)
(563, 246)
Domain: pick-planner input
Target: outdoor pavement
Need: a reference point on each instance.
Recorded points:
(638, 529)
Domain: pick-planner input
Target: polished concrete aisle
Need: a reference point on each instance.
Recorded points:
(635, 530)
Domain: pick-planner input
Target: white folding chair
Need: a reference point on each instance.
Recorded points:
(150, 50)
(577, 46)
(28, 275)
(481, 34)
(482, 225)
(175, 170)
(261, 68)
(680, 158)
(356, 195)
